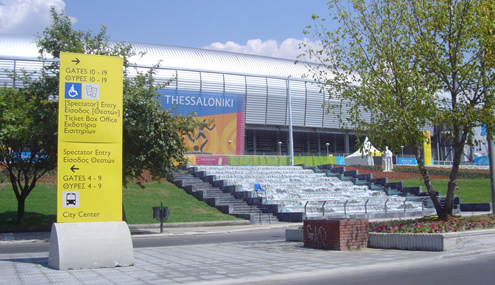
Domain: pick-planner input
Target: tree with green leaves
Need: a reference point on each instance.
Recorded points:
(28, 140)
(153, 139)
(488, 30)
(401, 67)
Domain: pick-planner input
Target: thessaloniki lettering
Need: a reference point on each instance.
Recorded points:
(199, 101)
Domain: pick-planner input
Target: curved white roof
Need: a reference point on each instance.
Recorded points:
(18, 47)
(180, 58)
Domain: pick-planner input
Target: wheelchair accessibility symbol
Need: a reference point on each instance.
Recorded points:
(73, 90)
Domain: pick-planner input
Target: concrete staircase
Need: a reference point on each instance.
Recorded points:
(225, 202)
(294, 193)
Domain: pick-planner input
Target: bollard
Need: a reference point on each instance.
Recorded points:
(161, 213)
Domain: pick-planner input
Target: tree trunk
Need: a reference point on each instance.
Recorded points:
(449, 201)
(22, 188)
(21, 201)
(124, 216)
(441, 212)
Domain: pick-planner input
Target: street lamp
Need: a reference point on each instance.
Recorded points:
(229, 146)
(279, 148)
(402, 149)
(327, 144)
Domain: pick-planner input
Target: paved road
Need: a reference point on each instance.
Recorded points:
(170, 237)
(208, 238)
(468, 269)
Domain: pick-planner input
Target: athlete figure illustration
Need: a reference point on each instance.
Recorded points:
(201, 134)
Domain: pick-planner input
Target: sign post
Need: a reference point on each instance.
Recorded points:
(89, 175)
(90, 139)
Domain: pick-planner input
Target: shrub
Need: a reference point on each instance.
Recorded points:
(433, 225)
(435, 171)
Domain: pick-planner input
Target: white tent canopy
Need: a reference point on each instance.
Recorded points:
(363, 156)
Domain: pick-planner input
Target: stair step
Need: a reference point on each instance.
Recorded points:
(223, 199)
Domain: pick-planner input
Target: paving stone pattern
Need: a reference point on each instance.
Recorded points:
(211, 263)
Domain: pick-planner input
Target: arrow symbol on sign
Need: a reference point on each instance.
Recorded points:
(74, 168)
(76, 61)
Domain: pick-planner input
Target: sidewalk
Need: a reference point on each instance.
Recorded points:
(223, 263)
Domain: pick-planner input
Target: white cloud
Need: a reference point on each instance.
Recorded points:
(26, 17)
(288, 49)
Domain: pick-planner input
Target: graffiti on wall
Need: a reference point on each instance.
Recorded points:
(317, 235)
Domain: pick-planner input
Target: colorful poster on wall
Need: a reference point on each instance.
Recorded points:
(225, 135)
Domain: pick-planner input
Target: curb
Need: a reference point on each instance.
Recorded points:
(191, 224)
(30, 235)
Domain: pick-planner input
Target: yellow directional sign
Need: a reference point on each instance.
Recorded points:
(427, 148)
(89, 172)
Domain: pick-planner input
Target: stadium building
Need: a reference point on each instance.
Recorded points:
(247, 96)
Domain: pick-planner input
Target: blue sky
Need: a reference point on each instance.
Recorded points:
(265, 27)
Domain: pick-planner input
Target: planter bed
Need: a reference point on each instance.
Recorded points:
(426, 242)
(432, 242)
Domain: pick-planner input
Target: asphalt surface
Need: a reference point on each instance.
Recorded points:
(40, 242)
(217, 255)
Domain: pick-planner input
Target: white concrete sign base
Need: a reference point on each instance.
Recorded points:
(90, 245)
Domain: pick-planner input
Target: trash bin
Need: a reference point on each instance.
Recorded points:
(161, 213)
(156, 213)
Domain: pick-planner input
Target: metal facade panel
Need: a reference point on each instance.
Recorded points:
(161, 75)
(235, 84)
(165, 76)
(6, 67)
(188, 80)
(9, 66)
(345, 115)
(314, 109)
(277, 102)
(256, 96)
(298, 98)
(212, 82)
(330, 119)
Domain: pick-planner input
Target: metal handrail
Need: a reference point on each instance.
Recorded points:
(345, 205)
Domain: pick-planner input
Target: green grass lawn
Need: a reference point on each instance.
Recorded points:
(41, 206)
(471, 190)
(138, 205)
